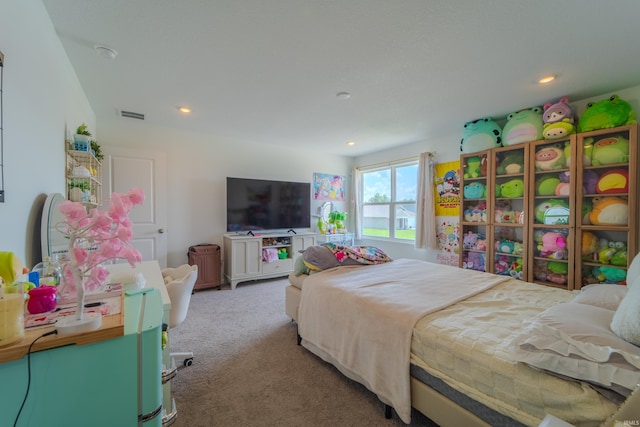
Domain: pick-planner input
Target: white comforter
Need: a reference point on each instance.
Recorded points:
(360, 318)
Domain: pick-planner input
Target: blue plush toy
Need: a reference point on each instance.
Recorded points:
(523, 126)
(481, 134)
(474, 190)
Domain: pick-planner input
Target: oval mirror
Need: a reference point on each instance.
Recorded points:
(53, 242)
(325, 211)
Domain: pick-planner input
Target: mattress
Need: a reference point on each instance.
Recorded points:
(466, 346)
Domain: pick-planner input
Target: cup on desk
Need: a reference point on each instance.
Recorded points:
(42, 299)
(11, 315)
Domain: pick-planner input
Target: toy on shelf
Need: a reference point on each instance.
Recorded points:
(472, 167)
(614, 181)
(512, 163)
(481, 134)
(590, 245)
(546, 185)
(474, 190)
(508, 216)
(473, 241)
(550, 157)
(476, 213)
(589, 181)
(609, 210)
(553, 245)
(552, 211)
(509, 247)
(610, 150)
(611, 275)
(606, 114)
(474, 261)
(523, 126)
(510, 189)
(557, 119)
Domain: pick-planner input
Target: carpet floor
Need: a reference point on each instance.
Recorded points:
(248, 370)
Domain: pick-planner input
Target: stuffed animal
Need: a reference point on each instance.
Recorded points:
(481, 134)
(475, 261)
(523, 126)
(540, 270)
(621, 257)
(546, 185)
(511, 189)
(606, 114)
(501, 265)
(557, 130)
(609, 210)
(505, 246)
(553, 245)
(550, 157)
(472, 167)
(552, 211)
(512, 163)
(470, 240)
(613, 181)
(557, 119)
(610, 150)
(476, 213)
(589, 246)
(474, 190)
(509, 216)
(589, 181)
(557, 272)
(612, 275)
(516, 269)
(605, 255)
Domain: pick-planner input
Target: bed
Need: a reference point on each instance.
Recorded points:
(458, 358)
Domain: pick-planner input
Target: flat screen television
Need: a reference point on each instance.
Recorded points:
(258, 204)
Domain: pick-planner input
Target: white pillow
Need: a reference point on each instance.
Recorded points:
(633, 271)
(626, 319)
(575, 340)
(601, 295)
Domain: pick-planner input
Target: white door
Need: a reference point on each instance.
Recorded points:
(123, 169)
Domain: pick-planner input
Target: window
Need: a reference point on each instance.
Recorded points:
(389, 196)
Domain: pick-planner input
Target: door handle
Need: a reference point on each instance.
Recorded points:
(161, 231)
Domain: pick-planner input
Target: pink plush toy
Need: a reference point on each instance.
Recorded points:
(553, 245)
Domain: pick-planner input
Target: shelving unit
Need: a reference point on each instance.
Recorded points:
(475, 214)
(551, 219)
(83, 174)
(578, 212)
(602, 165)
(243, 255)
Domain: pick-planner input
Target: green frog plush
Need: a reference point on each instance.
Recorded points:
(512, 163)
(606, 114)
(610, 150)
(472, 167)
(512, 188)
(523, 126)
(481, 134)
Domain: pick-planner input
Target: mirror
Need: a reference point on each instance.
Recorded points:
(53, 242)
(325, 210)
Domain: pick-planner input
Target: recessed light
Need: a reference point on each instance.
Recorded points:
(351, 143)
(105, 51)
(184, 109)
(547, 79)
(343, 95)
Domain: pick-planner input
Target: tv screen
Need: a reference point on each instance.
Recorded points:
(256, 204)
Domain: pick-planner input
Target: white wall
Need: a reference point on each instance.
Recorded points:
(41, 98)
(197, 167)
(447, 148)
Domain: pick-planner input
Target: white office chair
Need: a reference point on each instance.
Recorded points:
(180, 282)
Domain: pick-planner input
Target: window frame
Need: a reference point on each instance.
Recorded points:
(393, 204)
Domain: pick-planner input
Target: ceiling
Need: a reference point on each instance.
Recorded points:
(269, 71)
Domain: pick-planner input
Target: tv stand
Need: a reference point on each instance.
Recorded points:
(243, 254)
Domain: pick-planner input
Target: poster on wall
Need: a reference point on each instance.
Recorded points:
(447, 207)
(327, 186)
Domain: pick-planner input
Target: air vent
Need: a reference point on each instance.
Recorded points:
(132, 115)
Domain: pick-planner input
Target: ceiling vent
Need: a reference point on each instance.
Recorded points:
(131, 115)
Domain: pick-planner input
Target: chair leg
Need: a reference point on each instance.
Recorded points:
(186, 356)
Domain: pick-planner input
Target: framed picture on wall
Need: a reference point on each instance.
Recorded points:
(328, 186)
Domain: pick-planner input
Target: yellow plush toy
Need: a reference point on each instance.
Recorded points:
(609, 211)
(10, 267)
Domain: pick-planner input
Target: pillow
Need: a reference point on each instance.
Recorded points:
(626, 319)
(575, 340)
(299, 268)
(634, 270)
(319, 258)
(601, 295)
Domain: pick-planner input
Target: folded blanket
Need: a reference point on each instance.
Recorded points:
(269, 254)
(362, 254)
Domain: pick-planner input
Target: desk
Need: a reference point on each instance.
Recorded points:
(339, 238)
(107, 382)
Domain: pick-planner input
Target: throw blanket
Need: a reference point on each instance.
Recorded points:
(361, 319)
(363, 254)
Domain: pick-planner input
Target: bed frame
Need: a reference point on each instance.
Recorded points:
(445, 411)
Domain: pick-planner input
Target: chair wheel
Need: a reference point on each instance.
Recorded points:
(188, 362)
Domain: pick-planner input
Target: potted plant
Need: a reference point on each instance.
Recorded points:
(96, 150)
(82, 138)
